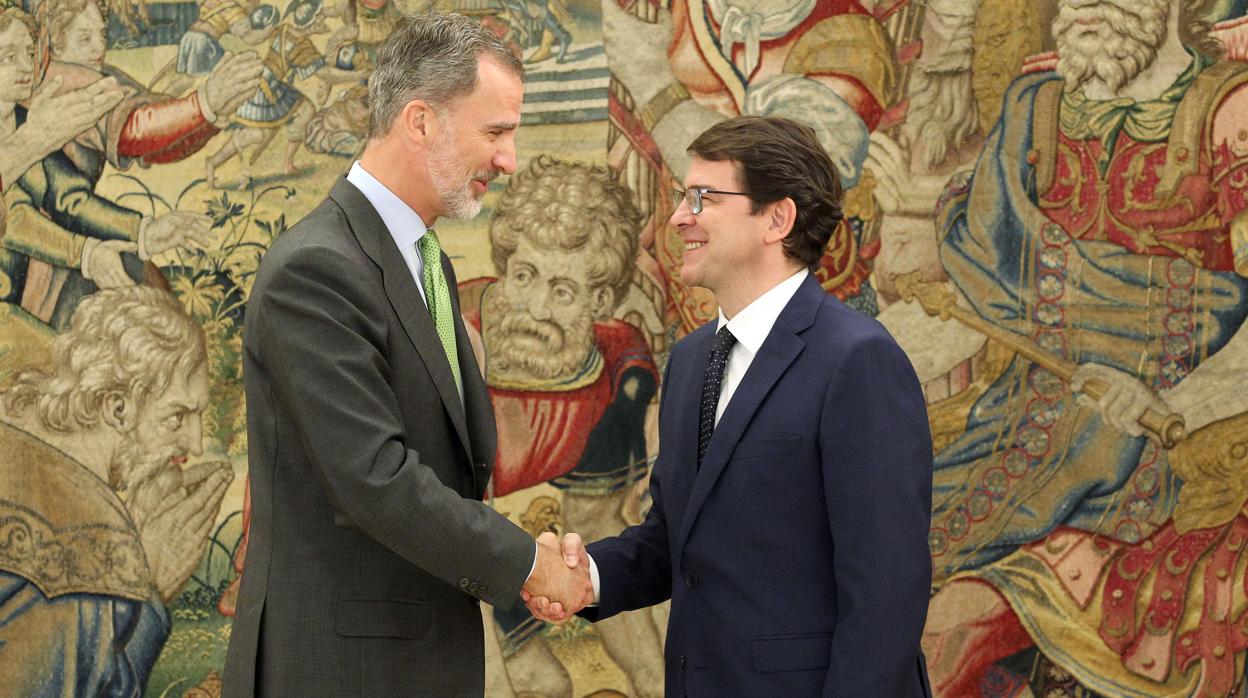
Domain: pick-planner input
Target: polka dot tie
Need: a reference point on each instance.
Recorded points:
(438, 296)
(710, 387)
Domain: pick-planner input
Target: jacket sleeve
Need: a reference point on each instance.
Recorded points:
(165, 130)
(635, 567)
(318, 328)
(877, 463)
(53, 209)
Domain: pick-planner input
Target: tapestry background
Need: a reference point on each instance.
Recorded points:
(1022, 241)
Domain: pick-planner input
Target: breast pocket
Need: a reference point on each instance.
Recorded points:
(383, 618)
(775, 448)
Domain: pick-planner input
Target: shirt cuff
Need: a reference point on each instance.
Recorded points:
(84, 266)
(533, 568)
(593, 579)
(204, 109)
(144, 254)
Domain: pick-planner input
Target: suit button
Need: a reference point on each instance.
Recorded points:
(691, 580)
(463, 582)
(682, 661)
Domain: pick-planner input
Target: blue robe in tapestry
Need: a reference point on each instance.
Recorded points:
(79, 615)
(1031, 460)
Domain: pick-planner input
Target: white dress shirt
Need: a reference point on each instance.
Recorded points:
(404, 224)
(751, 327)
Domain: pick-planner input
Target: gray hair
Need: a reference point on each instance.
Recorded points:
(433, 58)
(564, 205)
(133, 341)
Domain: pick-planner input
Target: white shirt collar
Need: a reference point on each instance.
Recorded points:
(752, 325)
(404, 224)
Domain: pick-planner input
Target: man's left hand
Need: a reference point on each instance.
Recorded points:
(235, 79)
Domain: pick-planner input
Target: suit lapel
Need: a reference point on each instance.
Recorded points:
(779, 350)
(404, 297)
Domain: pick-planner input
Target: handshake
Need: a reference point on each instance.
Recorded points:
(560, 584)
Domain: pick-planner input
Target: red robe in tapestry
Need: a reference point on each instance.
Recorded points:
(542, 433)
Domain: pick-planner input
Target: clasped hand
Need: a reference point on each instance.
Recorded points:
(560, 584)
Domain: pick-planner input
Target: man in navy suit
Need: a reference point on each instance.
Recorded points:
(792, 492)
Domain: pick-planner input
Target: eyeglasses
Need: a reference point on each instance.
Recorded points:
(693, 196)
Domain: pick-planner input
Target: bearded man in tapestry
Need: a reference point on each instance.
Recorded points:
(1105, 223)
(101, 525)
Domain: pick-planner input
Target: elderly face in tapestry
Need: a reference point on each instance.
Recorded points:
(564, 249)
(100, 439)
(131, 376)
(539, 320)
(1112, 41)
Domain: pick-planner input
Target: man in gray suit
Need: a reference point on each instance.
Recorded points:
(370, 429)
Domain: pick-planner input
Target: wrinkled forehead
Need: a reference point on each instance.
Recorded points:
(186, 390)
(542, 249)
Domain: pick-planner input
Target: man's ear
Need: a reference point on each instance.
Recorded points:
(602, 302)
(119, 411)
(418, 121)
(781, 216)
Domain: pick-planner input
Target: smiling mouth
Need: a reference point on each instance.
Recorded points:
(693, 245)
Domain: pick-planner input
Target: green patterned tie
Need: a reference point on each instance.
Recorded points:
(438, 296)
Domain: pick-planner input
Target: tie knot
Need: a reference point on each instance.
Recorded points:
(724, 340)
(429, 243)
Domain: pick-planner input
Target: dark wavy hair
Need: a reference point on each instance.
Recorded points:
(777, 158)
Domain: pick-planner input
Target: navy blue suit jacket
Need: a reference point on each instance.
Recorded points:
(796, 557)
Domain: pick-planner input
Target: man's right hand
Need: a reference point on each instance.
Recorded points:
(232, 82)
(175, 536)
(560, 584)
(575, 558)
(175, 229)
(55, 119)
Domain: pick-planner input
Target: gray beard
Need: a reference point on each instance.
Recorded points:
(131, 466)
(455, 192)
(943, 114)
(1115, 60)
(517, 344)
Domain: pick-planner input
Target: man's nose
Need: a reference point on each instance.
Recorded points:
(539, 307)
(192, 437)
(682, 217)
(505, 157)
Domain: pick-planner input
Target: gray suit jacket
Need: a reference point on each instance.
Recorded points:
(370, 546)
